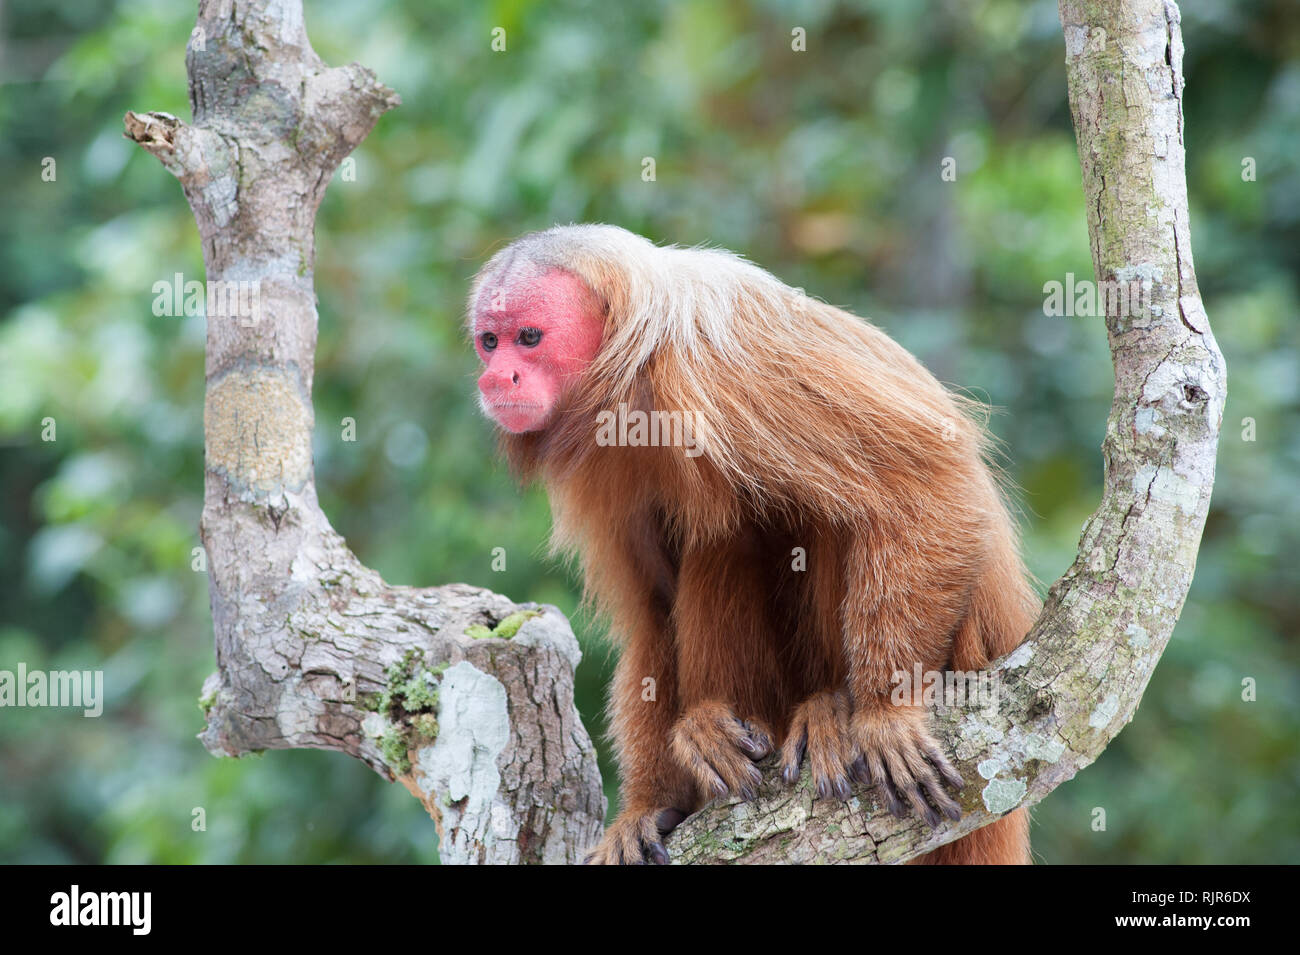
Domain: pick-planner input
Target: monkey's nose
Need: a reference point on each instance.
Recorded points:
(498, 381)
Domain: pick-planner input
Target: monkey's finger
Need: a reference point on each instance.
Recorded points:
(792, 754)
(829, 750)
(746, 781)
(950, 775)
(794, 748)
(708, 777)
(748, 736)
(656, 853)
(650, 847)
(630, 844)
(732, 770)
(747, 789)
(946, 804)
(757, 741)
(921, 807)
(747, 739)
(860, 772)
(632, 839)
(929, 783)
(901, 773)
(717, 764)
(828, 767)
(621, 845)
(925, 783)
(834, 785)
(668, 820)
(876, 767)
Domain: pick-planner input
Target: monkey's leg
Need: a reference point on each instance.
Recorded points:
(656, 792)
(905, 596)
(729, 672)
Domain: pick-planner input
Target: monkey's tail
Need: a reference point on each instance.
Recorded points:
(1005, 842)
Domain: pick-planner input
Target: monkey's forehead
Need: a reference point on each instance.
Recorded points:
(525, 290)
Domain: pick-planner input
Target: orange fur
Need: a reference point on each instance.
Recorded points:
(818, 432)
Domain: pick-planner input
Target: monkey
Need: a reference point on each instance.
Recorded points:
(821, 518)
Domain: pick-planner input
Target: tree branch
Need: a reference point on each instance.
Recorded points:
(459, 693)
(1078, 678)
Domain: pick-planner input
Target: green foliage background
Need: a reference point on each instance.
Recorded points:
(822, 166)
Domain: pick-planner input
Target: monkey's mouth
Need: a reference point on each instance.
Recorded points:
(516, 417)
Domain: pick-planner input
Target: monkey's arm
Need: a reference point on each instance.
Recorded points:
(730, 674)
(908, 587)
(655, 793)
(685, 703)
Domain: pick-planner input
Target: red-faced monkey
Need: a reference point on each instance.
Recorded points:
(775, 504)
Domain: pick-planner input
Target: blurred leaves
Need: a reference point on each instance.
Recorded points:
(823, 166)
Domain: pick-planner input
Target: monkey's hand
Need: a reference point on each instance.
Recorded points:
(635, 838)
(904, 760)
(819, 729)
(719, 750)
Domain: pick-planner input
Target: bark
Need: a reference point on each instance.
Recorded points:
(1078, 678)
(460, 694)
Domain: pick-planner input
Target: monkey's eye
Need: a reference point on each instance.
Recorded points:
(528, 337)
(489, 341)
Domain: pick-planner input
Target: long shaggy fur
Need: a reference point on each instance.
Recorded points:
(818, 432)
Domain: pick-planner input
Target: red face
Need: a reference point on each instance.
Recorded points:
(533, 337)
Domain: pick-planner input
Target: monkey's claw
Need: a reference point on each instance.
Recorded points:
(819, 729)
(719, 750)
(636, 838)
(905, 762)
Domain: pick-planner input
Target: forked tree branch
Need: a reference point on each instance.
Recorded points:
(464, 697)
